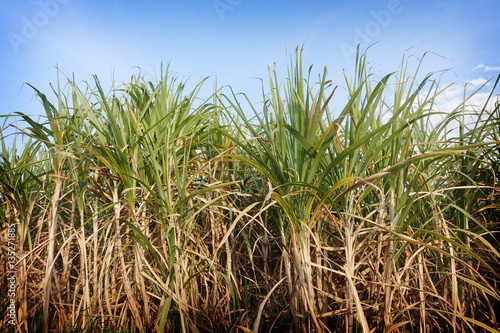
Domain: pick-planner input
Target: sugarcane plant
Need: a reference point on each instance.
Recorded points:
(147, 207)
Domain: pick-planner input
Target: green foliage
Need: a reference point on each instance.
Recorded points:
(146, 208)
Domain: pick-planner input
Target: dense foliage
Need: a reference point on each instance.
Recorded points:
(146, 208)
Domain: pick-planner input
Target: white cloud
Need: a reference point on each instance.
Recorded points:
(478, 82)
(478, 66)
(486, 68)
(452, 99)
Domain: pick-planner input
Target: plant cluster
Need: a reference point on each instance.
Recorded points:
(147, 209)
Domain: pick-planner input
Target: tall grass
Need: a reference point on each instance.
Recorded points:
(148, 208)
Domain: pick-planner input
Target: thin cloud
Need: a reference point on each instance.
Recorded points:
(477, 67)
(486, 68)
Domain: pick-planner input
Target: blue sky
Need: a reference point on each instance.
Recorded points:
(234, 41)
